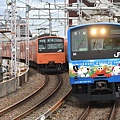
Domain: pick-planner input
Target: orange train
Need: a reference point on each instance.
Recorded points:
(46, 53)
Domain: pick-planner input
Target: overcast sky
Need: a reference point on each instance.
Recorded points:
(2, 6)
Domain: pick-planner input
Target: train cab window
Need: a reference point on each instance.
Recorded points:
(79, 40)
(105, 44)
(51, 45)
(97, 44)
(105, 39)
(55, 44)
(42, 46)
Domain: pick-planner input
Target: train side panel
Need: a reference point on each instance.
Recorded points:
(8, 50)
(30, 51)
(22, 50)
(35, 50)
(3, 50)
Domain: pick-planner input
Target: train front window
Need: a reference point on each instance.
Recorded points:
(97, 44)
(105, 44)
(51, 45)
(94, 41)
(55, 46)
(105, 38)
(79, 40)
(42, 46)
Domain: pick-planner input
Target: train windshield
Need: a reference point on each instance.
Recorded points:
(51, 45)
(79, 40)
(95, 39)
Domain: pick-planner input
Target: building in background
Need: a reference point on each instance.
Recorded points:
(75, 16)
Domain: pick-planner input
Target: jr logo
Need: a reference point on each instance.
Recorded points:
(118, 54)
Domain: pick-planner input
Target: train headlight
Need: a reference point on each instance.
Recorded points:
(103, 31)
(93, 31)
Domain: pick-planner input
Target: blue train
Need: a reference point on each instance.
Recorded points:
(94, 61)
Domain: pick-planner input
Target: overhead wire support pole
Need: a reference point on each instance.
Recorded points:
(0, 49)
(65, 15)
(27, 34)
(13, 39)
(79, 11)
(50, 21)
(1, 70)
(18, 46)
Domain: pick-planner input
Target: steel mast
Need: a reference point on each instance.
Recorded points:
(27, 34)
(13, 39)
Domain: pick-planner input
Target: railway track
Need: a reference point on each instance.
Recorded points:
(17, 104)
(46, 111)
(54, 107)
(35, 99)
(88, 112)
(113, 112)
(85, 113)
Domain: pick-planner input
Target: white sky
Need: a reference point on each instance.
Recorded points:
(57, 25)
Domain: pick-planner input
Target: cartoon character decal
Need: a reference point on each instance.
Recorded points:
(81, 72)
(101, 71)
(94, 71)
(116, 70)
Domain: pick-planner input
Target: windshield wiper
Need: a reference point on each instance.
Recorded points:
(81, 43)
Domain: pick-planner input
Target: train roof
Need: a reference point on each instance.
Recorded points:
(42, 35)
(96, 23)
